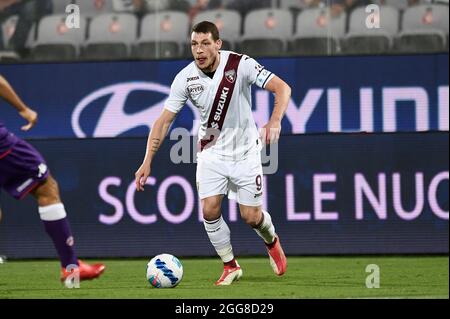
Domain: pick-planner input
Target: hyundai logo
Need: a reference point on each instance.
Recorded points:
(113, 120)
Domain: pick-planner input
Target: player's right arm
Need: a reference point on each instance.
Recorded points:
(177, 99)
(154, 141)
(8, 93)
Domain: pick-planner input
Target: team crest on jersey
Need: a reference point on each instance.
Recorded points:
(230, 76)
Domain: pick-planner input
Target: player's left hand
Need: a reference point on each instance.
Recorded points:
(270, 133)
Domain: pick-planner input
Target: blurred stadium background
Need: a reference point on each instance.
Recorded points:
(149, 29)
(363, 160)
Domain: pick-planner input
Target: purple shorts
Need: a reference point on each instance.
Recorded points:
(22, 168)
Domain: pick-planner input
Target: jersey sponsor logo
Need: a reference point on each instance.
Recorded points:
(221, 102)
(194, 78)
(218, 114)
(230, 75)
(195, 89)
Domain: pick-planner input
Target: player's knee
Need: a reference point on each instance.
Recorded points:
(47, 193)
(48, 199)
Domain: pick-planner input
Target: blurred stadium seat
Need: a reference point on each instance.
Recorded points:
(318, 33)
(363, 40)
(294, 27)
(266, 32)
(57, 42)
(154, 6)
(399, 4)
(9, 56)
(123, 6)
(294, 5)
(8, 29)
(59, 6)
(424, 29)
(111, 37)
(227, 21)
(92, 8)
(163, 35)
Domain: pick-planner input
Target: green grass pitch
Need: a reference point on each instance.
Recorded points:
(307, 277)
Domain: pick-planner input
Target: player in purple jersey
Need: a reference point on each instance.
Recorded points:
(24, 171)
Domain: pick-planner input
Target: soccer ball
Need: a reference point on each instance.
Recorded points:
(164, 271)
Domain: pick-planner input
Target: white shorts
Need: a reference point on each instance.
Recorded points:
(240, 180)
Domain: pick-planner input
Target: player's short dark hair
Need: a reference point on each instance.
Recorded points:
(207, 27)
